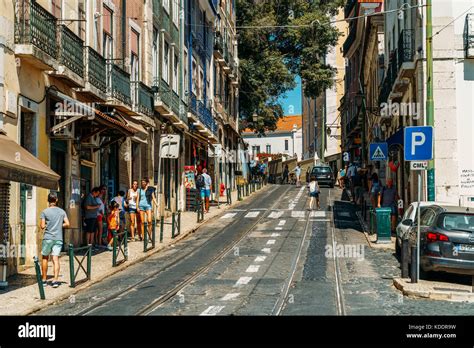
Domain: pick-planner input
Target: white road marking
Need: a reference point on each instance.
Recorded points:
(229, 216)
(275, 235)
(260, 258)
(252, 214)
(252, 269)
(212, 310)
(243, 281)
(278, 228)
(271, 241)
(318, 214)
(267, 250)
(320, 220)
(297, 214)
(281, 222)
(230, 296)
(275, 214)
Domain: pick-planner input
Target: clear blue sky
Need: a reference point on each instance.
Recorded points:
(291, 102)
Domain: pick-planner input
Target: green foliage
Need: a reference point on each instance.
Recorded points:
(272, 56)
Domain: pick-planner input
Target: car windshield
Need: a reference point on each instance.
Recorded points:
(322, 170)
(458, 222)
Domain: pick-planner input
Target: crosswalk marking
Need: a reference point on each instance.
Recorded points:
(267, 250)
(243, 281)
(260, 258)
(275, 235)
(229, 216)
(212, 310)
(252, 214)
(318, 214)
(230, 296)
(252, 269)
(275, 214)
(281, 222)
(278, 228)
(271, 241)
(297, 214)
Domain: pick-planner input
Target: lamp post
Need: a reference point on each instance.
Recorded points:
(293, 131)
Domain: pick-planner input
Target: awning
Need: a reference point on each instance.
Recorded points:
(19, 165)
(396, 138)
(141, 133)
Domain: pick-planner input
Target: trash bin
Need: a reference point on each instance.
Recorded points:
(383, 225)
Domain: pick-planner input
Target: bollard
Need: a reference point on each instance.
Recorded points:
(71, 265)
(89, 261)
(162, 223)
(145, 236)
(39, 279)
(114, 250)
(172, 225)
(179, 221)
(414, 266)
(404, 258)
(153, 235)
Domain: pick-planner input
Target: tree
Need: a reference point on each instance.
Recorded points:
(279, 39)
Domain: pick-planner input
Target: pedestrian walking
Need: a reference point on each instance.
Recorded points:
(375, 189)
(120, 200)
(113, 223)
(91, 208)
(388, 199)
(53, 221)
(206, 191)
(358, 187)
(146, 200)
(313, 192)
(297, 171)
(351, 173)
(341, 177)
(286, 172)
(132, 206)
(101, 235)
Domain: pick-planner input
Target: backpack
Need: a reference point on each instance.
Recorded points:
(200, 182)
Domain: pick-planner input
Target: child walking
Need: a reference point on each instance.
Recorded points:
(313, 192)
(113, 222)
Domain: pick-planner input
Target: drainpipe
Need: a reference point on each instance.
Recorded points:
(124, 30)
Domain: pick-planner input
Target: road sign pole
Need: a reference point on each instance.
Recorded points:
(429, 94)
(418, 230)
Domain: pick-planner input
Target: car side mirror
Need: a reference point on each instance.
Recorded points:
(407, 222)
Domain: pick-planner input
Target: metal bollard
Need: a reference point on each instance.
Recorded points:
(404, 258)
(162, 224)
(114, 250)
(39, 278)
(153, 235)
(71, 265)
(172, 225)
(414, 266)
(145, 236)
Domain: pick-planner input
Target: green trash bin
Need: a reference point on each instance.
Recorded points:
(383, 225)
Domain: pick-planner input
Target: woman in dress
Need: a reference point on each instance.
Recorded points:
(132, 205)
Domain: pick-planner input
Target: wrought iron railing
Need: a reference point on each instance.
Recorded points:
(96, 69)
(218, 43)
(406, 46)
(71, 51)
(203, 113)
(118, 83)
(35, 25)
(142, 98)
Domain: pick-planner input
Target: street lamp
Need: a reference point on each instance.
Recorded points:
(293, 131)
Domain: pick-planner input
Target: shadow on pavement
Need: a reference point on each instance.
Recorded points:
(345, 216)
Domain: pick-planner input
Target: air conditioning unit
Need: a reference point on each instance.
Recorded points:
(65, 132)
(91, 142)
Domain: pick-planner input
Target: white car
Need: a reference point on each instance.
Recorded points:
(408, 219)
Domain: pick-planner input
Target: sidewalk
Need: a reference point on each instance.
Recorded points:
(22, 296)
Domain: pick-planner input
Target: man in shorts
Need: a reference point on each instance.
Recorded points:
(206, 191)
(91, 207)
(53, 220)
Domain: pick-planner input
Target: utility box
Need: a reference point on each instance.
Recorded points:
(383, 225)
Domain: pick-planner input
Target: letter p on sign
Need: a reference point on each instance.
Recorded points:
(418, 143)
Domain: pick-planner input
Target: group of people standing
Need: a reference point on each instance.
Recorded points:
(137, 203)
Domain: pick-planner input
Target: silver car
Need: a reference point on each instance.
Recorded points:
(446, 239)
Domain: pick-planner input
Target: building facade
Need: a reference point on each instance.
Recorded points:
(89, 87)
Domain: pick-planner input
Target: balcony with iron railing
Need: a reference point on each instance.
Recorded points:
(204, 114)
(142, 98)
(219, 46)
(167, 102)
(95, 76)
(118, 87)
(36, 34)
(70, 57)
(406, 52)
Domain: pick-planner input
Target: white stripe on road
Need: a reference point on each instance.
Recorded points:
(297, 214)
(271, 241)
(252, 269)
(282, 222)
(212, 310)
(229, 216)
(243, 281)
(275, 214)
(260, 258)
(275, 235)
(252, 214)
(318, 214)
(278, 228)
(230, 296)
(267, 250)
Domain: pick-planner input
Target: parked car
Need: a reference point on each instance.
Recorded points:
(324, 175)
(409, 218)
(446, 240)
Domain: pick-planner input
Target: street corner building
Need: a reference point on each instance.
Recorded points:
(386, 90)
(87, 90)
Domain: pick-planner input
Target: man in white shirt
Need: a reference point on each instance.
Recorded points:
(206, 191)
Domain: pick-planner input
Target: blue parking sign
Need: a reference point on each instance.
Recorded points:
(418, 143)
